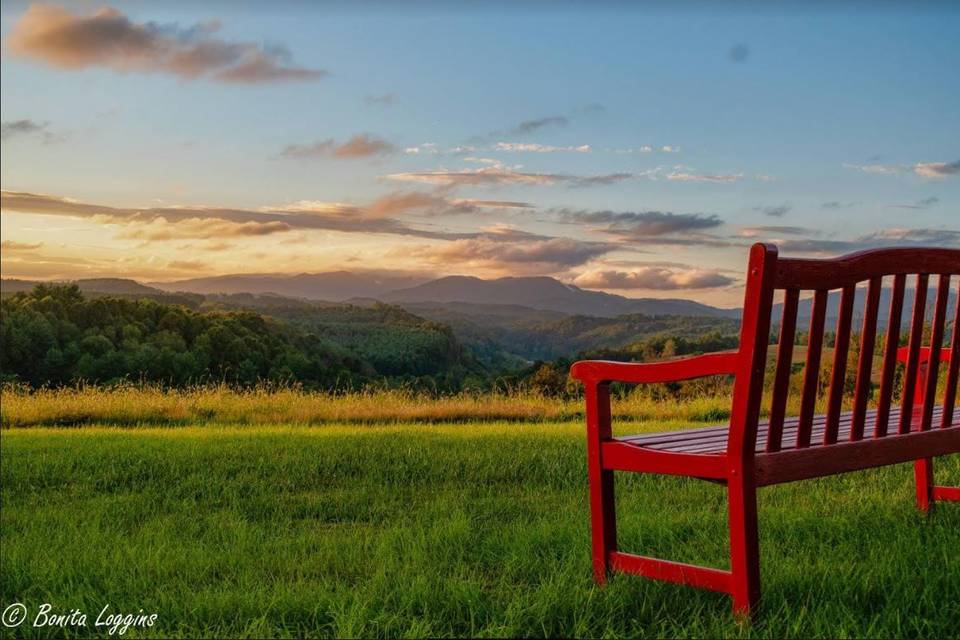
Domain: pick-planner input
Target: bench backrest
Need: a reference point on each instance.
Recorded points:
(772, 279)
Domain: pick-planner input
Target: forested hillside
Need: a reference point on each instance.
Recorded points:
(60, 334)
(55, 335)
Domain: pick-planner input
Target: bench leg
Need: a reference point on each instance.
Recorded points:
(923, 474)
(603, 518)
(744, 546)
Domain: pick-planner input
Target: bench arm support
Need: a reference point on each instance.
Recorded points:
(708, 364)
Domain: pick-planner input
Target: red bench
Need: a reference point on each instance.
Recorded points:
(749, 452)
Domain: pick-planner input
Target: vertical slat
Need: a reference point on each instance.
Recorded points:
(781, 382)
(868, 339)
(953, 370)
(936, 343)
(841, 347)
(913, 353)
(811, 373)
(890, 356)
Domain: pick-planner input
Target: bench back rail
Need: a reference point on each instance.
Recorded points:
(769, 276)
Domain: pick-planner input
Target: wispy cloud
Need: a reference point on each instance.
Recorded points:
(13, 245)
(171, 223)
(937, 169)
(359, 146)
(512, 251)
(836, 204)
(529, 126)
(654, 278)
(502, 175)
(20, 127)
(930, 170)
(539, 148)
(107, 38)
(28, 127)
(684, 175)
(651, 227)
(884, 238)
(919, 204)
(777, 211)
(642, 223)
(380, 100)
(773, 230)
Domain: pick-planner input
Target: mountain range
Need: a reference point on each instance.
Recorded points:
(506, 300)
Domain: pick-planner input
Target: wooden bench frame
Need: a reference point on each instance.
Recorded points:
(741, 467)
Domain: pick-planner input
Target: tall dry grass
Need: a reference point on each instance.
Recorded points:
(134, 405)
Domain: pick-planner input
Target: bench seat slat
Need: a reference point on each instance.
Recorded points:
(713, 440)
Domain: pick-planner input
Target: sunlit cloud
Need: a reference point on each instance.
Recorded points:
(689, 176)
(13, 245)
(655, 278)
(930, 170)
(359, 146)
(539, 148)
(502, 175)
(168, 223)
(107, 38)
(512, 251)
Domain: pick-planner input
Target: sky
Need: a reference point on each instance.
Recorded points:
(637, 149)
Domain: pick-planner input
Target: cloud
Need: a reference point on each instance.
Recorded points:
(919, 204)
(836, 204)
(930, 170)
(381, 100)
(359, 146)
(168, 223)
(687, 176)
(27, 127)
(13, 245)
(108, 39)
(427, 148)
(539, 148)
(20, 127)
(881, 169)
(529, 126)
(187, 265)
(937, 169)
(513, 251)
(643, 223)
(766, 230)
(657, 278)
(435, 204)
(502, 175)
(894, 237)
(775, 211)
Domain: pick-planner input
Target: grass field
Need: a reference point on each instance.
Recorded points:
(436, 529)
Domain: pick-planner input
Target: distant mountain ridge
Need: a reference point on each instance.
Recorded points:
(335, 286)
(547, 294)
(122, 286)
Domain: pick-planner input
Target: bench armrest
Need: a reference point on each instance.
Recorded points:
(708, 364)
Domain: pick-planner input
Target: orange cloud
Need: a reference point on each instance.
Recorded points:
(359, 146)
(107, 38)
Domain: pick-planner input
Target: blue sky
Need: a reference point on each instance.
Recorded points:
(649, 146)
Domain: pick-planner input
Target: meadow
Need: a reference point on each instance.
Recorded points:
(279, 513)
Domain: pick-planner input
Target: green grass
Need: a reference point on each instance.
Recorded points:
(476, 529)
